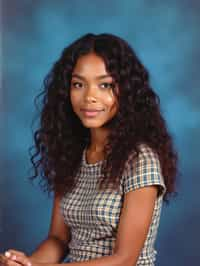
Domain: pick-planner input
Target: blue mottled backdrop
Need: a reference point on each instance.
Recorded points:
(166, 36)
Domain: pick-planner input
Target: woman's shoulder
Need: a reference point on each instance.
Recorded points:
(145, 152)
(143, 169)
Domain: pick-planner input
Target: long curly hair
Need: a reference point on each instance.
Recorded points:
(61, 137)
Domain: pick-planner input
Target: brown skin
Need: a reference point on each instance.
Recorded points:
(91, 88)
(89, 92)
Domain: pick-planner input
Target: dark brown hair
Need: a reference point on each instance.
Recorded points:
(61, 138)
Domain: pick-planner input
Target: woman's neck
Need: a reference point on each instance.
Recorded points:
(98, 139)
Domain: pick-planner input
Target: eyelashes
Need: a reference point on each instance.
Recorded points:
(110, 84)
(107, 85)
(73, 84)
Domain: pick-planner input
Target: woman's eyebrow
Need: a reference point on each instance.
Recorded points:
(98, 77)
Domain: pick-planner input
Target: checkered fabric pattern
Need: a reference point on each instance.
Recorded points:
(93, 216)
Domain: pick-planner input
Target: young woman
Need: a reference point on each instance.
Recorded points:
(107, 155)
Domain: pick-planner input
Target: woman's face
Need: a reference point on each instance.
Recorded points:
(91, 92)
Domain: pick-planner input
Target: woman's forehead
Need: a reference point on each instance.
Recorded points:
(90, 65)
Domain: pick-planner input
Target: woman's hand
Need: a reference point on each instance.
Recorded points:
(14, 258)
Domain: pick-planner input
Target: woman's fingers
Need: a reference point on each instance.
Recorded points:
(4, 261)
(14, 251)
(18, 256)
(21, 260)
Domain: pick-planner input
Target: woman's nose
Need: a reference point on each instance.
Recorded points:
(90, 94)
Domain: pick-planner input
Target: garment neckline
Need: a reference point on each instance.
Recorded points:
(90, 164)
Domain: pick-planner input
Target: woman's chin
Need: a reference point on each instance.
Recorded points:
(92, 124)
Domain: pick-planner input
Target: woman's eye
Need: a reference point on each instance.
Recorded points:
(107, 85)
(76, 84)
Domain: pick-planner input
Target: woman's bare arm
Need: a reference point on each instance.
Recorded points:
(55, 247)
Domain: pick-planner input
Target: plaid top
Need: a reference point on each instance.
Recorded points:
(93, 216)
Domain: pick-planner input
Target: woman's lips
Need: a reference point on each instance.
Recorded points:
(91, 113)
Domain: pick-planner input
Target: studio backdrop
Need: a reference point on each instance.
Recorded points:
(166, 36)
